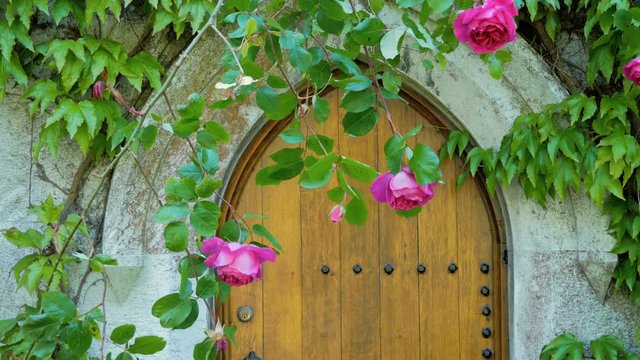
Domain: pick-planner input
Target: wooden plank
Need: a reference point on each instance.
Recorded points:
(249, 334)
(321, 331)
(282, 282)
(438, 247)
(360, 296)
(475, 248)
(398, 247)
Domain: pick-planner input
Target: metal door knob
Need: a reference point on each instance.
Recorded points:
(388, 269)
(357, 268)
(453, 267)
(421, 268)
(245, 313)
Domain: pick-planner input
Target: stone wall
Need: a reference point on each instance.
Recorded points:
(559, 263)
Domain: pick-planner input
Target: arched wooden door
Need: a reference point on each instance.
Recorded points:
(453, 310)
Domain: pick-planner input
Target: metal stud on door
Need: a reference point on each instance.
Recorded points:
(252, 356)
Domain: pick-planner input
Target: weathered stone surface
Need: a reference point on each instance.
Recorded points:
(550, 292)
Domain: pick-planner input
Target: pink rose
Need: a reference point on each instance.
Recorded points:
(337, 213)
(401, 191)
(488, 27)
(236, 264)
(632, 71)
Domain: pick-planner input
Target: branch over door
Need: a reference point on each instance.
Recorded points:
(427, 287)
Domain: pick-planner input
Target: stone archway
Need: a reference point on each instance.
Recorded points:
(544, 244)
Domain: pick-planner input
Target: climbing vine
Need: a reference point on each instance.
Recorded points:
(284, 53)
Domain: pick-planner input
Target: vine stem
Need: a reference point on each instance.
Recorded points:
(167, 82)
(224, 38)
(147, 108)
(375, 80)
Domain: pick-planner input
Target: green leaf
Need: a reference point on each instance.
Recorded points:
(357, 170)
(320, 109)
(390, 42)
(124, 356)
(143, 64)
(607, 347)
(320, 173)
(148, 136)
(30, 238)
(356, 212)
(205, 350)
(207, 287)
(376, 5)
(359, 124)
(320, 144)
(207, 186)
(439, 6)
(565, 346)
(171, 212)
(59, 306)
(181, 189)
(262, 231)
(292, 136)
(276, 106)
(368, 32)
(147, 345)
(192, 266)
(204, 218)
(172, 310)
(425, 165)
(358, 101)
(300, 59)
(77, 337)
(176, 236)
(393, 149)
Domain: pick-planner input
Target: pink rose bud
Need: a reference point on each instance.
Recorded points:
(401, 191)
(236, 264)
(337, 213)
(304, 110)
(98, 88)
(632, 71)
(487, 28)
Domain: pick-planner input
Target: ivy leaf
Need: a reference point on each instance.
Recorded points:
(276, 106)
(565, 346)
(607, 347)
(424, 164)
(143, 64)
(43, 92)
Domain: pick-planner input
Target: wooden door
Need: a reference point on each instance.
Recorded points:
(452, 310)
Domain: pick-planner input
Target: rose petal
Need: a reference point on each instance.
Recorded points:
(380, 187)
